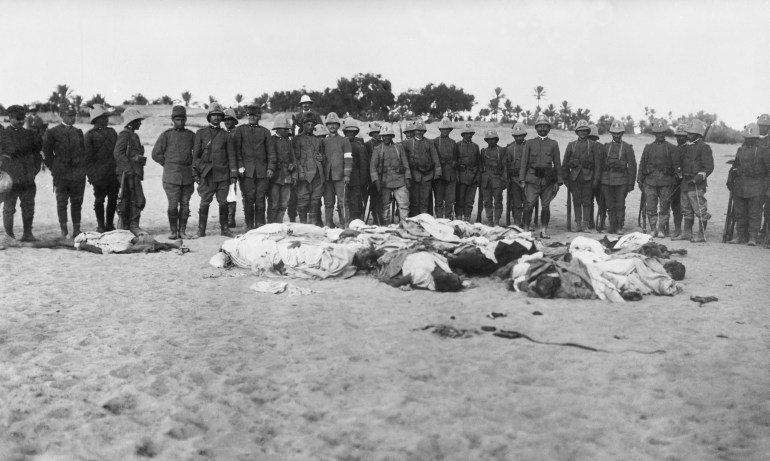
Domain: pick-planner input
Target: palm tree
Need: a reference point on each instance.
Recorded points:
(550, 111)
(527, 116)
(186, 97)
(539, 94)
(238, 99)
(60, 96)
(507, 110)
(566, 114)
(517, 111)
(494, 103)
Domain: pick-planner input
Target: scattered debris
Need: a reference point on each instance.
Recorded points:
(494, 315)
(701, 300)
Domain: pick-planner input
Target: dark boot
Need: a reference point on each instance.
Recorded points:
(578, 219)
(752, 239)
(677, 229)
(134, 226)
(173, 218)
(75, 230)
(260, 216)
(231, 214)
(182, 230)
(109, 218)
(248, 214)
(8, 225)
(653, 222)
(223, 218)
(312, 218)
(99, 210)
(27, 237)
(64, 231)
(699, 237)
(686, 231)
(330, 218)
(203, 217)
(302, 216)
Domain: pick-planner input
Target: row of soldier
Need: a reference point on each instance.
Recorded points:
(296, 172)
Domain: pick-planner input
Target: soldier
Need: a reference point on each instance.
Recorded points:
(658, 167)
(286, 171)
(618, 173)
(305, 112)
(359, 175)
(424, 165)
(676, 195)
(337, 169)
(580, 169)
(34, 123)
(215, 167)
(390, 173)
(308, 150)
(751, 167)
(20, 158)
(493, 177)
(174, 151)
(320, 132)
(255, 156)
(375, 207)
(445, 184)
(231, 121)
(129, 166)
(540, 173)
(764, 141)
(597, 190)
(515, 196)
(408, 130)
(99, 151)
(468, 163)
(697, 165)
(64, 150)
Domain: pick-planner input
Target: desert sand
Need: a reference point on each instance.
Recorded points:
(124, 357)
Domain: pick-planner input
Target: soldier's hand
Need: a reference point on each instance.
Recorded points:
(241, 171)
(698, 178)
(347, 180)
(269, 173)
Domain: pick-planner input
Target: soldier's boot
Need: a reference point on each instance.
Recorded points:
(591, 224)
(173, 218)
(653, 222)
(677, 229)
(578, 219)
(278, 215)
(75, 229)
(330, 218)
(587, 220)
(302, 214)
(203, 217)
(223, 221)
(248, 214)
(611, 226)
(109, 218)
(490, 218)
(27, 237)
(231, 207)
(686, 231)
(181, 232)
(99, 210)
(8, 225)
(545, 219)
(663, 227)
(753, 237)
(699, 237)
(259, 219)
(125, 221)
(134, 226)
(64, 231)
(312, 218)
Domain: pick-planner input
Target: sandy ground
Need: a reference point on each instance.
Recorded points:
(143, 356)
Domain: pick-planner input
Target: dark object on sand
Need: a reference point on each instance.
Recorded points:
(631, 295)
(701, 300)
(546, 285)
(675, 269)
(472, 262)
(446, 282)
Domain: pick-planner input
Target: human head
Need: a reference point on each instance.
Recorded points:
(467, 131)
(254, 113)
(617, 129)
(764, 124)
(491, 137)
(419, 129)
(179, 117)
(230, 119)
(16, 116)
(582, 129)
(542, 126)
(374, 131)
(305, 102)
(333, 123)
(387, 134)
(696, 130)
(132, 118)
(445, 127)
(350, 129)
(68, 113)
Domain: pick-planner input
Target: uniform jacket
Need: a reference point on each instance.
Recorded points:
(468, 162)
(309, 152)
(494, 172)
(213, 153)
(174, 150)
(541, 162)
(752, 165)
(582, 161)
(339, 157)
(129, 154)
(254, 150)
(36, 124)
(64, 150)
(446, 150)
(284, 151)
(618, 164)
(386, 161)
(659, 164)
(20, 151)
(359, 175)
(100, 154)
(423, 159)
(513, 154)
(698, 158)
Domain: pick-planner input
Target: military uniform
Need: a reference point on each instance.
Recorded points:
(676, 193)
(174, 151)
(64, 149)
(515, 193)
(752, 165)
(390, 168)
(373, 194)
(308, 150)
(541, 173)
(468, 165)
(129, 166)
(214, 167)
(20, 158)
(100, 158)
(618, 173)
(657, 176)
(424, 165)
(337, 168)
(359, 180)
(764, 142)
(283, 179)
(255, 152)
(445, 184)
(493, 180)
(36, 124)
(581, 167)
(697, 165)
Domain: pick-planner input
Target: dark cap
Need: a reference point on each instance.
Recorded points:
(253, 110)
(67, 109)
(178, 111)
(16, 111)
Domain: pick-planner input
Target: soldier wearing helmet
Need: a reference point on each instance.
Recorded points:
(764, 141)
(285, 176)
(468, 163)
(337, 170)
(750, 173)
(64, 151)
(597, 190)
(445, 184)
(99, 144)
(389, 170)
(658, 167)
(618, 174)
(305, 112)
(540, 173)
(424, 165)
(130, 161)
(494, 176)
(359, 174)
(697, 165)
(374, 196)
(581, 167)
(513, 155)
(680, 134)
(408, 130)
(34, 122)
(231, 121)
(308, 149)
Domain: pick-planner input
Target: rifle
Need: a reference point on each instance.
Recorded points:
(727, 233)
(569, 209)
(119, 205)
(508, 197)
(642, 219)
(480, 204)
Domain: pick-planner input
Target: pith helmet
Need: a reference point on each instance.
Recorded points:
(491, 134)
(594, 131)
(445, 124)
(374, 127)
(763, 120)
(386, 130)
(519, 129)
(582, 125)
(467, 128)
(214, 109)
(67, 109)
(696, 127)
(178, 111)
(681, 130)
(98, 111)
(282, 122)
(419, 125)
(320, 130)
(750, 131)
(542, 120)
(349, 124)
(659, 125)
(131, 115)
(333, 118)
(305, 98)
(409, 127)
(230, 113)
(617, 127)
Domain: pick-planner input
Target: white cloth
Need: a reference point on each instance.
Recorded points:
(110, 242)
(438, 230)
(420, 266)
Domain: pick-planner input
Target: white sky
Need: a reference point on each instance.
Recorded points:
(610, 56)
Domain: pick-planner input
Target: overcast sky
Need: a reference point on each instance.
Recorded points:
(612, 57)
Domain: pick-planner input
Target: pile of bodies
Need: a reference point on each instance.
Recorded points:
(439, 254)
